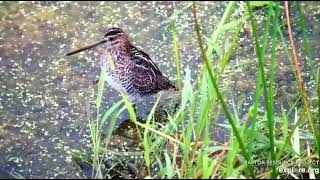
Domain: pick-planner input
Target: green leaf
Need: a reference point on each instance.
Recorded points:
(218, 28)
(213, 149)
(259, 3)
(146, 144)
(109, 112)
(169, 169)
(187, 91)
(234, 24)
(102, 79)
(113, 121)
(296, 136)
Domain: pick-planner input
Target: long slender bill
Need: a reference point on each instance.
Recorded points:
(85, 48)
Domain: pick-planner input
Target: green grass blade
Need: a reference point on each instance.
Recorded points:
(176, 53)
(113, 122)
(258, 87)
(169, 170)
(102, 79)
(306, 42)
(296, 137)
(269, 107)
(145, 137)
(231, 157)
(219, 27)
(216, 88)
(108, 113)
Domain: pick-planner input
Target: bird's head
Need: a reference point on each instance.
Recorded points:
(114, 37)
(115, 34)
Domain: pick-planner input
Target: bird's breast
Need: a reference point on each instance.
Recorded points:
(117, 70)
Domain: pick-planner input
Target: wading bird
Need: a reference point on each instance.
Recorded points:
(131, 70)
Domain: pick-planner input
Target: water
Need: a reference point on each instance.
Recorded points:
(43, 94)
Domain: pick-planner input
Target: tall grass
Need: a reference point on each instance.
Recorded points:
(184, 147)
(97, 126)
(307, 109)
(268, 95)
(217, 91)
(176, 53)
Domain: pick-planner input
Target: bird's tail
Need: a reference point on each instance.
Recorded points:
(165, 84)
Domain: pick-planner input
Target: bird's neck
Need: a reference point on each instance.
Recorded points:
(120, 53)
(121, 45)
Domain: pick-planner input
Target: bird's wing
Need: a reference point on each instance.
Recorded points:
(144, 73)
(141, 58)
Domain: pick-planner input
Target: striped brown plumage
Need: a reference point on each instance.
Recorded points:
(132, 71)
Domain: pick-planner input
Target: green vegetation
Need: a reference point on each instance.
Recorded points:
(249, 90)
(184, 147)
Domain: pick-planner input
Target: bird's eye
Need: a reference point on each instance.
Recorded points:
(111, 38)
